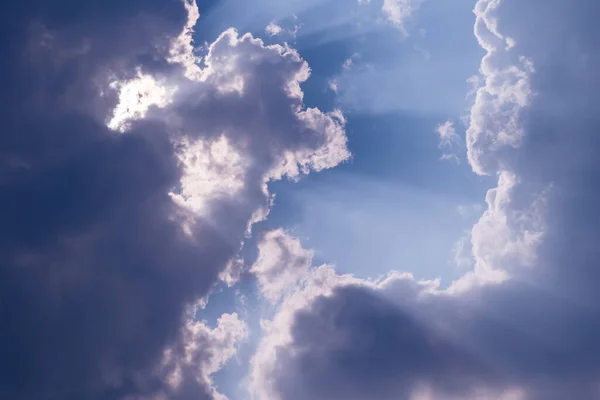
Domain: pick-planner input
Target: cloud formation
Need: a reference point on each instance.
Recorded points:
(523, 324)
(449, 141)
(281, 263)
(398, 11)
(132, 170)
(130, 174)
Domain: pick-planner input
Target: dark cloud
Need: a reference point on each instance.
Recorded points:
(358, 345)
(58, 49)
(530, 338)
(95, 270)
(108, 239)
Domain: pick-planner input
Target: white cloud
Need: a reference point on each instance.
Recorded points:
(350, 61)
(449, 141)
(285, 29)
(462, 252)
(506, 238)
(182, 49)
(495, 122)
(334, 85)
(398, 11)
(281, 263)
(450, 157)
(203, 352)
(505, 235)
(237, 120)
(211, 170)
(135, 97)
(448, 135)
(273, 29)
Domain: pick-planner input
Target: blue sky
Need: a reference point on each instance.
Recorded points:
(399, 88)
(299, 200)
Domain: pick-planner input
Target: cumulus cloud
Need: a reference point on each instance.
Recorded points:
(202, 352)
(320, 284)
(277, 333)
(281, 263)
(130, 174)
(495, 123)
(522, 324)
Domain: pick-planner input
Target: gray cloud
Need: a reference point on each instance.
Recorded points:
(100, 260)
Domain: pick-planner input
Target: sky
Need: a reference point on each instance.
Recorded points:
(299, 200)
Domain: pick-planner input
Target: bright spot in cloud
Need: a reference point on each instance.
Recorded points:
(182, 49)
(211, 170)
(136, 96)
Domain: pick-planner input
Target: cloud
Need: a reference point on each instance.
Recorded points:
(448, 135)
(522, 323)
(495, 123)
(397, 11)
(273, 29)
(462, 251)
(281, 263)
(135, 97)
(449, 140)
(130, 174)
(277, 333)
(202, 352)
